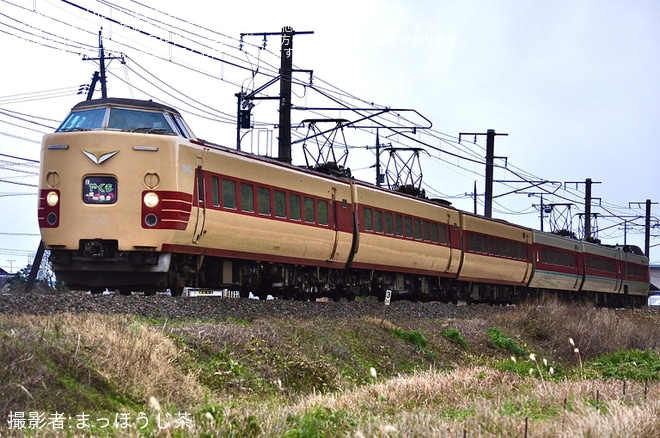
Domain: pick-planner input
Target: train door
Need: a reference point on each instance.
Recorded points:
(621, 275)
(334, 214)
(199, 203)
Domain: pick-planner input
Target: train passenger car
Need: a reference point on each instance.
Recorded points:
(410, 243)
(602, 269)
(248, 209)
(496, 259)
(635, 272)
(615, 276)
(558, 263)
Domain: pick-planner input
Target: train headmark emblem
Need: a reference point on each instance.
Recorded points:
(100, 157)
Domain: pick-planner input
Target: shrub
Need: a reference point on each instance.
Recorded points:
(504, 343)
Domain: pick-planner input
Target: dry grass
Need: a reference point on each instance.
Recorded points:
(595, 331)
(486, 403)
(114, 354)
(311, 377)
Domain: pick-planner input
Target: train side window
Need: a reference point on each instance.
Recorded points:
(215, 190)
(477, 243)
(263, 199)
(280, 204)
(247, 197)
(408, 227)
(388, 223)
(323, 212)
(417, 228)
(378, 221)
(309, 209)
(294, 207)
(433, 227)
(426, 233)
(229, 193)
(442, 233)
(398, 225)
(368, 222)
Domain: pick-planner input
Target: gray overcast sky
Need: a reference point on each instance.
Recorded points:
(574, 84)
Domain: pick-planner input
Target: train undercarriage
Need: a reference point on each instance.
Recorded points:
(98, 266)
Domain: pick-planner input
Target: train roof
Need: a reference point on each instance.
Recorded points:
(115, 101)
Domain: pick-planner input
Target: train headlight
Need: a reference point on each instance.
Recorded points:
(151, 199)
(52, 198)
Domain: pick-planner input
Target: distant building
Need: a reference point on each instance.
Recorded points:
(4, 276)
(655, 278)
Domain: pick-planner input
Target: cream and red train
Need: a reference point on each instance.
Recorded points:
(131, 200)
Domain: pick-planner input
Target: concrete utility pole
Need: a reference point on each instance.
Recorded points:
(286, 67)
(490, 158)
(647, 225)
(100, 77)
(587, 209)
(285, 76)
(587, 204)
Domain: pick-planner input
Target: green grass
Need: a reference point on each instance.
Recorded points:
(503, 343)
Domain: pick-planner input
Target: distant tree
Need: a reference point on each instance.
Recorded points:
(46, 281)
(565, 233)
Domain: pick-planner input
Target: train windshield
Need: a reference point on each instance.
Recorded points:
(124, 119)
(86, 120)
(119, 119)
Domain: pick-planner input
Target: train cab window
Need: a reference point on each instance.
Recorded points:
(368, 221)
(179, 125)
(388, 223)
(378, 221)
(309, 209)
(323, 212)
(408, 227)
(263, 197)
(280, 204)
(215, 190)
(229, 193)
(398, 225)
(247, 197)
(294, 207)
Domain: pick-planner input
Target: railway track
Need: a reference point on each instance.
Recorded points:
(215, 308)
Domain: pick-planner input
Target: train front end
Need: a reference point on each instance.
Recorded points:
(104, 175)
